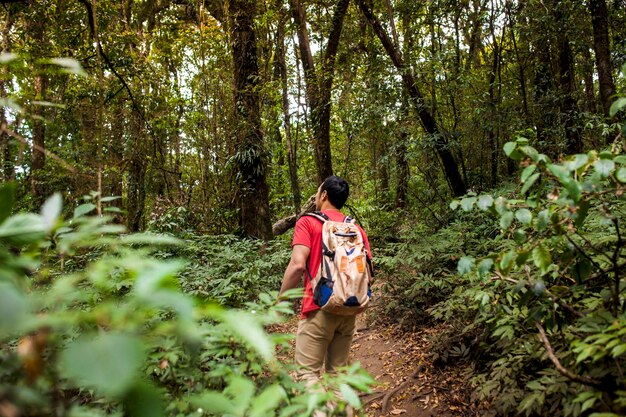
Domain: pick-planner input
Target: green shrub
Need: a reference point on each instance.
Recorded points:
(94, 322)
(549, 304)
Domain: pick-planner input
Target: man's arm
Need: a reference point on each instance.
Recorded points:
(295, 269)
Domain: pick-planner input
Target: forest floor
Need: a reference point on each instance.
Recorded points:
(409, 383)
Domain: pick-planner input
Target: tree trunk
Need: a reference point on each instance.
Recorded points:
(291, 149)
(319, 83)
(136, 189)
(587, 70)
(442, 145)
(542, 85)
(8, 168)
(251, 157)
(569, 109)
(602, 49)
(39, 143)
(40, 85)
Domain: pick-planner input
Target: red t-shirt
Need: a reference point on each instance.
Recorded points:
(308, 232)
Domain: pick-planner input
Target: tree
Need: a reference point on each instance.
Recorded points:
(251, 157)
(440, 139)
(319, 81)
(602, 50)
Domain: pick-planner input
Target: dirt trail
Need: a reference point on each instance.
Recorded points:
(409, 383)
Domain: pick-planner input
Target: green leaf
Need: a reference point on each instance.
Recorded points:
(560, 172)
(524, 216)
(7, 200)
(14, 309)
(83, 209)
(267, 401)
(574, 190)
(581, 270)
(542, 258)
(618, 350)
(522, 257)
(581, 213)
(527, 172)
(530, 182)
(69, 65)
(47, 104)
(621, 175)
(467, 203)
(454, 204)
(484, 202)
(108, 363)
(350, 395)
(617, 106)
(509, 147)
(507, 262)
(501, 205)
(579, 161)
(484, 267)
(143, 400)
(213, 403)
(247, 327)
(604, 167)
(241, 390)
(530, 152)
(22, 229)
(155, 276)
(543, 220)
(505, 220)
(588, 404)
(110, 198)
(51, 210)
(466, 264)
(519, 236)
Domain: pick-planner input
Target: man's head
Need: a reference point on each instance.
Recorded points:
(333, 190)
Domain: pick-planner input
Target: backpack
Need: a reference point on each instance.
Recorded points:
(342, 283)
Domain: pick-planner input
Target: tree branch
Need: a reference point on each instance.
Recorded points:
(553, 298)
(282, 225)
(49, 154)
(91, 17)
(557, 364)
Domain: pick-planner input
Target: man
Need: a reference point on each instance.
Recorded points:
(322, 336)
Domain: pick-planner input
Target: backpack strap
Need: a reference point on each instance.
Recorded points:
(318, 215)
(325, 251)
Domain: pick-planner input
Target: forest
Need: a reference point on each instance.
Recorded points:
(156, 154)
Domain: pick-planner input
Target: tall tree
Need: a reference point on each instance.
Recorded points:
(38, 125)
(602, 49)
(251, 156)
(281, 65)
(319, 81)
(441, 141)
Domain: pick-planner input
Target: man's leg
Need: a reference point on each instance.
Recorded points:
(312, 340)
(338, 352)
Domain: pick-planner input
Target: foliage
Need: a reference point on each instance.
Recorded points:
(94, 322)
(550, 300)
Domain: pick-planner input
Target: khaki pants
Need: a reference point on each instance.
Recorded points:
(323, 339)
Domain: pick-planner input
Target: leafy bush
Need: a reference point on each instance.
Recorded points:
(549, 304)
(93, 322)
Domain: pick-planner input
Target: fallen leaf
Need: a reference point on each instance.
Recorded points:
(397, 411)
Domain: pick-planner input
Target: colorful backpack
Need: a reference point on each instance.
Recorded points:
(342, 283)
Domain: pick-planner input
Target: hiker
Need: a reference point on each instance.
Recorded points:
(325, 336)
